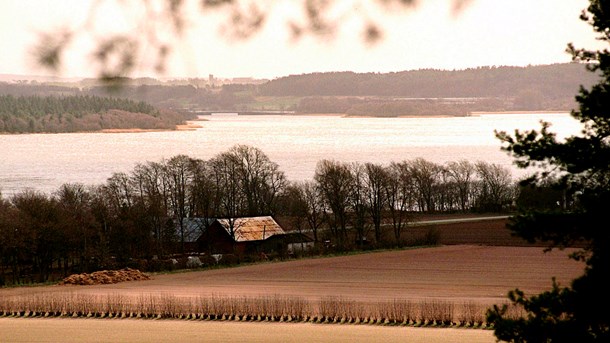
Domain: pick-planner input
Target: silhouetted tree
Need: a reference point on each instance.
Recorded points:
(292, 204)
(495, 187)
(78, 225)
(315, 207)
(260, 179)
(231, 201)
(38, 221)
(376, 180)
(358, 201)
(461, 174)
(579, 165)
(13, 242)
(178, 173)
(335, 182)
(152, 189)
(425, 175)
(401, 195)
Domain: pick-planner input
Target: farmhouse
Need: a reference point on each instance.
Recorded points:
(248, 235)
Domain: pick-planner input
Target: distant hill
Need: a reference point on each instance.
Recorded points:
(435, 92)
(416, 92)
(556, 80)
(17, 78)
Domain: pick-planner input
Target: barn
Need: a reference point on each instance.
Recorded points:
(243, 236)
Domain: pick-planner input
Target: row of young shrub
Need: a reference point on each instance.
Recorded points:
(276, 308)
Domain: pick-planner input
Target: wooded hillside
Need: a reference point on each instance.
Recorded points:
(417, 92)
(556, 80)
(30, 114)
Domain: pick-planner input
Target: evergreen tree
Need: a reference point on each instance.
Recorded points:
(580, 167)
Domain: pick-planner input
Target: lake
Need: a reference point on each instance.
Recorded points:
(45, 161)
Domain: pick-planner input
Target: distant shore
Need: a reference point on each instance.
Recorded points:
(472, 114)
(520, 112)
(403, 116)
(181, 127)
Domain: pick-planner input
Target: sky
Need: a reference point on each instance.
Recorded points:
(430, 35)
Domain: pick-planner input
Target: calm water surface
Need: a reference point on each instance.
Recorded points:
(45, 161)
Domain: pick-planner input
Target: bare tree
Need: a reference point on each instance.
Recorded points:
(335, 182)
(152, 189)
(294, 205)
(496, 188)
(178, 172)
(260, 179)
(400, 193)
(315, 207)
(359, 201)
(231, 202)
(101, 210)
(205, 204)
(38, 218)
(118, 187)
(462, 174)
(14, 241)
(77, 224)
(128, 229)
(443, 191)
(425, 175)
(376, 184)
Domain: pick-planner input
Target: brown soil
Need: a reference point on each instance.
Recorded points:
(481, 268)
(487, 232)
(460, 273)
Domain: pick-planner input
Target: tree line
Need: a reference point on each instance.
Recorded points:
(425, 92)
(555, 80)
(144, 213)
(33, 113)
(170, 96)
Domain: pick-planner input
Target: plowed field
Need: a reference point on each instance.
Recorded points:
(460, 273)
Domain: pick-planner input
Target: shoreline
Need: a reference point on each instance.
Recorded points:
(404, 116)
(478, 113)
(180, 127)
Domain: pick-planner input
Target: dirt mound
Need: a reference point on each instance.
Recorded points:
(105, 277)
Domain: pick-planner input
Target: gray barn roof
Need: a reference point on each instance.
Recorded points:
(193, 228)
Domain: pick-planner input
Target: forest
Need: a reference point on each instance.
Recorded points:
(424, 92)
(80, 113)
(555, 80)
(137, 215)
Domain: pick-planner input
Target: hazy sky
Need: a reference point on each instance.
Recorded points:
(431, 35)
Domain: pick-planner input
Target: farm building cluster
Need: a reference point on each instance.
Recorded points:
(241, 236)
